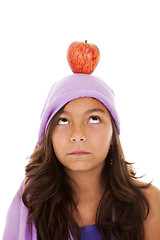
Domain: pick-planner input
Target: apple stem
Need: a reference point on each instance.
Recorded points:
(85, 41)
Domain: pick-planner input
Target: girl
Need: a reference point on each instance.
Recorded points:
(78, 184)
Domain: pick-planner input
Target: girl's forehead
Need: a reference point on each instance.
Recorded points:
(84, 104)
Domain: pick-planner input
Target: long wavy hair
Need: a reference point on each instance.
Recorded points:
(48, 195)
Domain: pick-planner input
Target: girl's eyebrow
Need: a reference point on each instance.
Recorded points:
(88, 111)
(95, 110)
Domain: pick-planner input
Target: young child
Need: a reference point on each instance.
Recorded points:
(78, 184)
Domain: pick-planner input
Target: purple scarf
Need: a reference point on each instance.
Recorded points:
(16, 223)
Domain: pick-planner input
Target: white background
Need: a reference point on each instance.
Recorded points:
(34, 37)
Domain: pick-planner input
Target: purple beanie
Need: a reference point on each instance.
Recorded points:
(72, 87)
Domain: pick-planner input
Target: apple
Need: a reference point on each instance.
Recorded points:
(83, 57)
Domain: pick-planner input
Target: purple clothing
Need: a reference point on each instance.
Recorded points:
(16, 223)
(17, 228)
(89, 233)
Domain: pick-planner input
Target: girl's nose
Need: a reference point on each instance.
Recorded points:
(78, 136)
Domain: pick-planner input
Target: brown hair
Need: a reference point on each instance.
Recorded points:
(48, 195)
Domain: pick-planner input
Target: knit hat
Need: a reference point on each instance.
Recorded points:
(72, 87)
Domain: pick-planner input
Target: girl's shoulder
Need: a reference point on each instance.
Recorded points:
(151, 224)
(152, 193)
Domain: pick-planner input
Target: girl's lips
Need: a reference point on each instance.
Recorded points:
(79, 153)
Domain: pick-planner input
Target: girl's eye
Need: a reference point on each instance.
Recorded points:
(62, 121)
(94, 119)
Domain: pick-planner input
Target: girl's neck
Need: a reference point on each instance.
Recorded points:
(87, 185)
(88, 191)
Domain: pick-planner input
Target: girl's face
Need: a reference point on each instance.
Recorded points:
(83, 134)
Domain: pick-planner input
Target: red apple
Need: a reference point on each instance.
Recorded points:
(83, 57)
